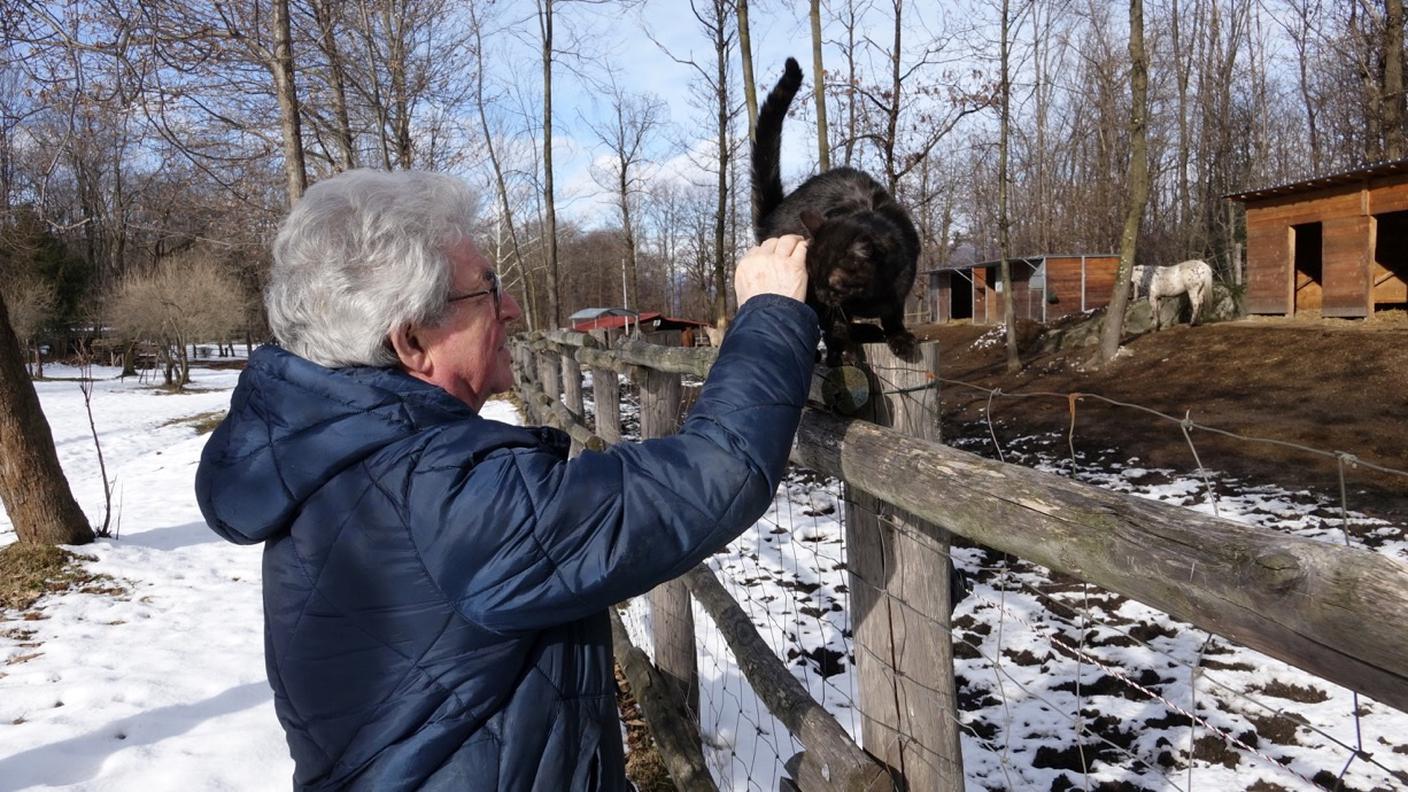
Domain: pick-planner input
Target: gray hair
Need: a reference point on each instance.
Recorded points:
(360, 254)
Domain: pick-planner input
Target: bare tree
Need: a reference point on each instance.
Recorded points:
(631, 122)
(517, 272)
(281, 66)
(745, 52)
(32, 485)
(177, 302)
(715, 83)
(911, 112)
(823, 141)
(1392, 94)
(31, 305)
(549, 205)
(1014, 363)
(1113, 330)
(328, 23)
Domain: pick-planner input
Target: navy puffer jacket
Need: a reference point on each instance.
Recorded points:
(436, 584)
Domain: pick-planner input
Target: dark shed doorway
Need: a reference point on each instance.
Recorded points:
(1308, 275)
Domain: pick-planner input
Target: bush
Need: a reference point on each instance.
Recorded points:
(181, 299)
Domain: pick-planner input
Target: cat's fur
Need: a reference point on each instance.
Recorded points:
(863, 248)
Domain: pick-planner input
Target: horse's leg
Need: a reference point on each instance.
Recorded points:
(1154, 306)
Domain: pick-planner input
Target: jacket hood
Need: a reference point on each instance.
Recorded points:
(293, 425)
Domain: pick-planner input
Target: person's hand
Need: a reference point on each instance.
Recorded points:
(777, 266)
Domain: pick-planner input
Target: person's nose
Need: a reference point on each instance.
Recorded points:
(509, 309)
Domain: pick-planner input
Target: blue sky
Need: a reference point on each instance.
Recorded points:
(612, 35)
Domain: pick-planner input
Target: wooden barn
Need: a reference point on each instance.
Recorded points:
(1044, 288)
(1336, 245)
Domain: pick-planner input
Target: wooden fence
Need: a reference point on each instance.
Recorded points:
(1335, 611)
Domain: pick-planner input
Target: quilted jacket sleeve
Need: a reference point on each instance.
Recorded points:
(524, 539)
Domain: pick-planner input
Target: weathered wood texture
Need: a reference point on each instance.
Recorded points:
(572, 392)
(572, 384)
(1331, 610)
(904, 650)
(675, 734)
(1070, 277)
(671, 616)
(546, 410)
(832, 760)
(606, 397)
(1352, 279)
(549, 372)
(695, 361)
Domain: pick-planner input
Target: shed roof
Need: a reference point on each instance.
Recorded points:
(1386, 168)
(593, 313)
(655, 319)
(1031, 261)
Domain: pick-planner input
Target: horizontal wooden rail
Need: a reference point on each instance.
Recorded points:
(558, 416)
(841, 389)
(675, 734)
(832, 759)
(1334, 611)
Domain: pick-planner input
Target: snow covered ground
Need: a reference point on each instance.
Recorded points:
(163, 687)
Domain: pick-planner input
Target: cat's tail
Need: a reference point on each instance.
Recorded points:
(767, 143)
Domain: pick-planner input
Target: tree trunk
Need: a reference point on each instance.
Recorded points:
(324, 12)
(892, 111)
(1180, 67)
(282, 67)
(1014, 363)
(721, 208)
(745, 50)
(1138, 184)
(851, 115)
(396, 63)
(1392, 95)
(823, 141)
(500, 187)
(554, 317)
(32, 485)
(629, 232)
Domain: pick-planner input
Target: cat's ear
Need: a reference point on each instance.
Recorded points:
(812, 219)
(879, 197)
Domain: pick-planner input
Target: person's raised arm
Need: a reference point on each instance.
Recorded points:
(525, 539)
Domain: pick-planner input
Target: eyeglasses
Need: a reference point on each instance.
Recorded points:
(493, 289)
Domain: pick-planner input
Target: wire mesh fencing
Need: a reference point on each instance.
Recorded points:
(1056, 683)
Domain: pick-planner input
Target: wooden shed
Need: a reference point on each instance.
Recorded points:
(1044, 288)
(1335, 244)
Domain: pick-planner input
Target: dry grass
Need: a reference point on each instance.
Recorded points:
(644, 765)
(29, 571)
(204, 423)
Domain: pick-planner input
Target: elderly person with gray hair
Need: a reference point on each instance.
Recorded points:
(436, 583)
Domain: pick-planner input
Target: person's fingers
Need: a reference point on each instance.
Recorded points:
(800, 251)
(768, 245)
(786, 243)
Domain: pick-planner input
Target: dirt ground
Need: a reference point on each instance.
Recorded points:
(1335, 385)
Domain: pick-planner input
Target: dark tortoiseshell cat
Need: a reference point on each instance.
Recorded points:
(863, 247)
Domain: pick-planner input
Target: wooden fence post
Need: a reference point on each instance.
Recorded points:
(671, 616)
(572, 390)
(531, 375)
(549, 372)
(572, 383)
(606, 394)
(900, 599)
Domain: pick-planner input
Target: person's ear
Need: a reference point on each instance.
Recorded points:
(409, 346)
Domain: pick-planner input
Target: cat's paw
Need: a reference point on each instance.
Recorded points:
(905, 346)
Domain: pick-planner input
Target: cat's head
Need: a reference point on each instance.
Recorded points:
(852, 255)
